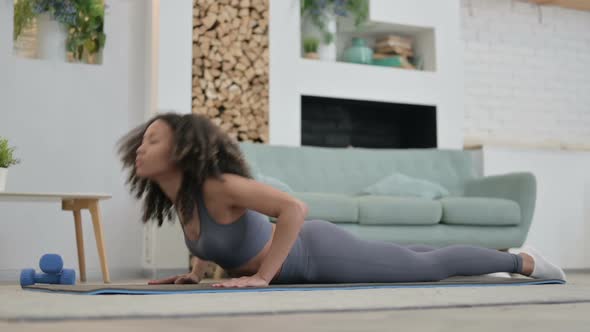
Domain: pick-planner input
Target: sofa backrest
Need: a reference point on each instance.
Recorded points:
(349, 170)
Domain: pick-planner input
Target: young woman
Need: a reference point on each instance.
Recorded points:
(186, 165)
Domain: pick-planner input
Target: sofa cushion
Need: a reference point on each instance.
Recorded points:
(329, 206)
(398, 184)
(389, 210)
(481, 211)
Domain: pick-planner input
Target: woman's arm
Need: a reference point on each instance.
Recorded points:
(289, 211)
(288, 223)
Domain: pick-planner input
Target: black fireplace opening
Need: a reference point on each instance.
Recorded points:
(334, 122)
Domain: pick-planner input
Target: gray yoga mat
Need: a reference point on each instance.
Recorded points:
(144, 289)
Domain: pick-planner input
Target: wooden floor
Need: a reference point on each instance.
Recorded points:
(561, 317)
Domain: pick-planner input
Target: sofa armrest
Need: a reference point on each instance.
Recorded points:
(520, 187)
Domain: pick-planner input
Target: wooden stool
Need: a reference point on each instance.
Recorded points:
(76, 203)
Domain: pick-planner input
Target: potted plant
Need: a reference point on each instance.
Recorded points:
(6, 160)
(87, 38)
(76, 26)
(321, 15)
(310, 47)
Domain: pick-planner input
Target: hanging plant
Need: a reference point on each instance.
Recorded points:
(84, 20)
(320, 10)
(87, 35)
(63, 11)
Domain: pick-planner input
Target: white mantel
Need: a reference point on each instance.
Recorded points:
(292, 76)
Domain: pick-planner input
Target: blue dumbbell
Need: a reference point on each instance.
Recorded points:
(52, 265)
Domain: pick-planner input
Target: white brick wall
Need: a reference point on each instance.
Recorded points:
(527, 73)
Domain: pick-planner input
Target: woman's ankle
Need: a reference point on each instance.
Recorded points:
(528, 264)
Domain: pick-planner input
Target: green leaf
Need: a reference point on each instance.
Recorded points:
(102, 39)
(6, 154)
(88, 35)
(96, 10)
(328, 37)
(90, 46)
(23, 16)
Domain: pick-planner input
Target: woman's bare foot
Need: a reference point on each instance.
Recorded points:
(536, 266)
(528, 264)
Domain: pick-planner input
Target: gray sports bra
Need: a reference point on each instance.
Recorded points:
(231, 245)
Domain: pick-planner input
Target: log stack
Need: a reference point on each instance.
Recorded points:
(230, 66)
(394, 45)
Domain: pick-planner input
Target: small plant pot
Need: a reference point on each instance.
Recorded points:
(312, 55)
(3, 176)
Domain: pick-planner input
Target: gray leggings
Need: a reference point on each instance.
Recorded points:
(326, 253)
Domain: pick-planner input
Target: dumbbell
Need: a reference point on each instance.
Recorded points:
(52, 265)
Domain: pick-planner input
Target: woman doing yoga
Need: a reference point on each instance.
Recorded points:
(187, 166)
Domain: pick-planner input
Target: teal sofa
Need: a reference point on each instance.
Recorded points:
(493, 211)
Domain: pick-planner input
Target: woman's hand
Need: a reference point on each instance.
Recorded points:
(189, 278)
(251, 281)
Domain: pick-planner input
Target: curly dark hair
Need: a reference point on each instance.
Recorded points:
(201, 150)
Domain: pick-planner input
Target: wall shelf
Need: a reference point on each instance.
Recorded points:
(341, 79)
(423, 39)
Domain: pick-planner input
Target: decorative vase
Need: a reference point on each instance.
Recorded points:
(3, 175)
(51, 38)
(359, 52)
(327, 52)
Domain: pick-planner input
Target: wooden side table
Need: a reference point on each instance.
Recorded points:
(74, 202)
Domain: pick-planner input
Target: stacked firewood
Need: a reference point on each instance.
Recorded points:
(394, 45)
(230, 66)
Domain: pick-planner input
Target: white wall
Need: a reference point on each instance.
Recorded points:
(527, 73)
(561, 223)
(65, 119)
(527, 77)
(291, 76)
(175, 56)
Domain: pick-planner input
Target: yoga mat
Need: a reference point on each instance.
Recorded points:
(143, 289)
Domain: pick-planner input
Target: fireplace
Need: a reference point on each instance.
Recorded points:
(332, 122)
